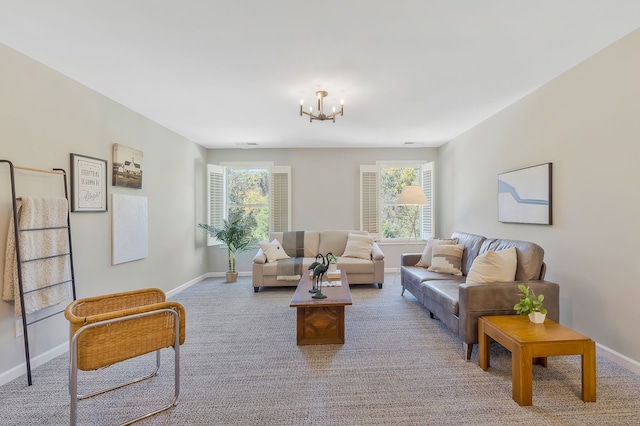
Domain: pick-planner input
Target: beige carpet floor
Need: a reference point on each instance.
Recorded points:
(241, 366)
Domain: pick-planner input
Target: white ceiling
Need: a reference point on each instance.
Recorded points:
(228, 73)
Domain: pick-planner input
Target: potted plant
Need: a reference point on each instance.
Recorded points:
(235, 233)
(530, 305)
(333, 262)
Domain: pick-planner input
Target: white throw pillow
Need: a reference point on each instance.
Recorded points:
(447, 259)
(273, 251)
(494, 267)
(359, 246)
(427, 254)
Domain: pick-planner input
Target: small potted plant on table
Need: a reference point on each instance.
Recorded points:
(530, 305)
(235, 233)
(333, 262)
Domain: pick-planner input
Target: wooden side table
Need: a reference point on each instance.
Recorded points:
(529, 343)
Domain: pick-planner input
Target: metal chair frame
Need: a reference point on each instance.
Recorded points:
(73, 371)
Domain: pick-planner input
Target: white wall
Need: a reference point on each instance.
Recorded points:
(325, 188)
(45, 117)
(586, 122)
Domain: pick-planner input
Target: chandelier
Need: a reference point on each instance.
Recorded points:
(320, 115)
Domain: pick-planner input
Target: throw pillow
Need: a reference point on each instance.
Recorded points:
(494, 267)
(359, 246)
(273, 251)
(427, 254)
(447, 259)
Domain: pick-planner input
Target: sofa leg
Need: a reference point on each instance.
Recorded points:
(379, 285)
(403, 289)
(256, 289)
(468, 348)
(431, 315)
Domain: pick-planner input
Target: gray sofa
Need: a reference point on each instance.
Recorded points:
(459, 304)
(359, 270)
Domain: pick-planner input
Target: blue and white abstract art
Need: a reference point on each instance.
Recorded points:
(524, 195)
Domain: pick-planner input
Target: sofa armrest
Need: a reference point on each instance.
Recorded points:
(409, 259)
(376, 252)
(260, 257)
(476, 300)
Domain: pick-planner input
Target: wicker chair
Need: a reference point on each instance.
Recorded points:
(112, 328)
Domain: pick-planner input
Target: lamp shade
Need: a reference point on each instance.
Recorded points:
(412, 195)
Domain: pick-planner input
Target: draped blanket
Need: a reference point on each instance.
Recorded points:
(293, 244)
(45, 275)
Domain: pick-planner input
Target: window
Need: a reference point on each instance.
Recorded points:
(380, 187)
(260, 190)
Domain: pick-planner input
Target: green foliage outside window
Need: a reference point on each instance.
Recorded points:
(248, 192)
(397, 221)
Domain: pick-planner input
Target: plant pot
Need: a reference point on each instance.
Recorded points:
(537, 317)
(333, 267)
(232, 277)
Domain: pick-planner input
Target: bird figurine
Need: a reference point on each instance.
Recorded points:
(318, 274)
(311, 268)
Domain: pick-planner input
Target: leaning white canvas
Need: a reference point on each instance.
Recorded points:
(130, 229)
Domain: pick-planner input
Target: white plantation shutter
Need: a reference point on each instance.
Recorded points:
(216, 207)
(280, 199)
(369, 202)
(426, 221)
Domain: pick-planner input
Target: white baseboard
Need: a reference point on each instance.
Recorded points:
(391, 270)
(618, 358)
(186, 285)
(21, 370)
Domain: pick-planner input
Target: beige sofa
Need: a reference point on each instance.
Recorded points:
(359, 270)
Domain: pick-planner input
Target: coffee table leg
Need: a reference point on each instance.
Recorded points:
(589, 372)
(521, 375)
(484, 353)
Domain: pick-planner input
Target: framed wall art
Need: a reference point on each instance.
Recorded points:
(88, 184)
(524, 195)
(127, 166)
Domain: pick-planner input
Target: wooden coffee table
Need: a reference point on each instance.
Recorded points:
(320, 321)
(532, 343)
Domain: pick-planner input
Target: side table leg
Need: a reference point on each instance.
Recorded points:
(589, 372)
(521, 375)
(484, 352)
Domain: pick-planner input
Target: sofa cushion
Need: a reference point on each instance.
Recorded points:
(311, 241)
(335, 241)
(444, 293)
(494, 266)
(427, 253)
(423, 274)
(354, 265)
(472, 244)
(359, 246)
(447, 259)
(273, 251)
(530, 256)
(271, 269)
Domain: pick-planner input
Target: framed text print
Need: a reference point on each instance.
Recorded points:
(88, 184)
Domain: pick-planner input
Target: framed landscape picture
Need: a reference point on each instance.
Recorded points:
(524, 195)
(127, 166)
(88, 184)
